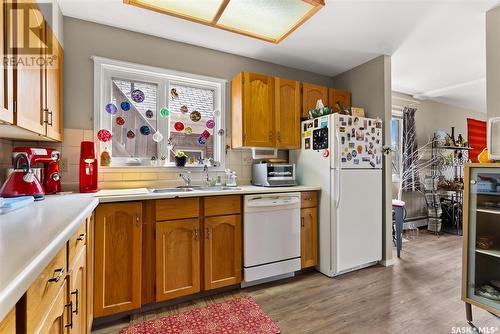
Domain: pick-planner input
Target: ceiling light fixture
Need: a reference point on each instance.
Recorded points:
(268, 20)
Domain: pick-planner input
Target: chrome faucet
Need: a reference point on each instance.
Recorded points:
(207, 177)
(186, 178)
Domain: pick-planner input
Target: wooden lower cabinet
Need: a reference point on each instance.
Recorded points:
(8, 324)
(222, 251)
(58, 319)
(90, 272)
(177, 258)
(117, 258)
(77, 297)
(309, 237)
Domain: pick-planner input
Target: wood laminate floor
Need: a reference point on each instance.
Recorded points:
(419, 294)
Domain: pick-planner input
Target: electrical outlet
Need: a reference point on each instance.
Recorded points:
(63, 165)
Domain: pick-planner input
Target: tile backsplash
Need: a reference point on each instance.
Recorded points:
(126, 177)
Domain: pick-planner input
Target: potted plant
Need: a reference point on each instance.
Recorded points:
(180, 159)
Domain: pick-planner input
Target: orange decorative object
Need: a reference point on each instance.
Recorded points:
(483, 157)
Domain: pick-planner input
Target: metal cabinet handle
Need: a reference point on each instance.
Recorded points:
(70, 305)
(51, 117)
(77, 302)
(137, 222)
(60, 273)
(302, 221)
(81, 237)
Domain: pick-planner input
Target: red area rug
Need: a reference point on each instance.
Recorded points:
(239, 316)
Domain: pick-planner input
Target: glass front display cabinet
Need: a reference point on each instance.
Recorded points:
(481, 256)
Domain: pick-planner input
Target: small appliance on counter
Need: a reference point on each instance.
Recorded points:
(88, 167)
(493, 138)
(273, 175)
(49, 158)
(22, 181)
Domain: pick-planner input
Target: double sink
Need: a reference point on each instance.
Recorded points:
(182, 189)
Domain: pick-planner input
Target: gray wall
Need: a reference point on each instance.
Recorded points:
(370, 85)
(84, 39)
(493, 62)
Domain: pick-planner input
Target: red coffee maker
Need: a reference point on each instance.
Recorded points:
(88, 167)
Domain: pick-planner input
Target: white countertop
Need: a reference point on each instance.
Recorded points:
(30, 238)
(240, 190)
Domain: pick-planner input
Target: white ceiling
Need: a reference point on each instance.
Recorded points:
(437, 47)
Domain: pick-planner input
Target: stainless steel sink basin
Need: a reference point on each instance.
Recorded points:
(171, 190)
(219, 188)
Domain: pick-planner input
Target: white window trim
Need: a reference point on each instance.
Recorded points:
(398, 114)
(105, 68)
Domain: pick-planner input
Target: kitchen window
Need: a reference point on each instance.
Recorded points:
(144, 115)
(396, 144)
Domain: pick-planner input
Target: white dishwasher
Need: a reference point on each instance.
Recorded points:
(271, 237)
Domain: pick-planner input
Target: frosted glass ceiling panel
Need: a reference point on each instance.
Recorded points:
(271, 19)
(199, 9)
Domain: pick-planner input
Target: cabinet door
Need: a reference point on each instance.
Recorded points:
(310, 95)
(29, 81)
(8, 324)
(6, 72)
(287, 113)
(90, 272)
(343, 97)
(54, 91)
(58, 318)
(177, 258)
(77, 294)
(118, 251)
(222, 251)
(258, 110)
(309, 237)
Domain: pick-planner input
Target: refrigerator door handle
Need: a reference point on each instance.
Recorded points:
(337, 168)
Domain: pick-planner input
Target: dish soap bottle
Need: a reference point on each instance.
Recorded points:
(231, 178)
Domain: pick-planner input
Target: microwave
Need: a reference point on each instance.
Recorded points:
(493, 138)
(273, 175)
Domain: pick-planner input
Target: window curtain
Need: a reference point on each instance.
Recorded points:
(410, 178)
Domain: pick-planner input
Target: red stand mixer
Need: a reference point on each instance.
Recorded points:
(49, 158)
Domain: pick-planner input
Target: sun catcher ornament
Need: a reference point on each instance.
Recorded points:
(145, 130)
(179, 126)
(110, 108)
(205, 134)
(188, 130)
(174, 94)
(125, 106)
(201, 141)
(149, 113)
(157, 137)
(104, 135)
(184, 109)
(210, 124)
(130, 134)
(120, 120)
(137, 95)
(220, 132)
(195, 116)
(164, 112)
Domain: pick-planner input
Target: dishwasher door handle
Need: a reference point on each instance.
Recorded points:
(275, 202)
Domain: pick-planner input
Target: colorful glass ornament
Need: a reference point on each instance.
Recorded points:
(164, 112)
(179, 126)
(220, 132)
(125, 106)
(104, 135)
(145, 130)
(173, 93)
(111, 108)
(184, 109)
(130, 134)
(188, 130)
(216, 113)
(205, 134)
(201, 141)
(170, 145)
(210, 124)
(195, 116)
(137, 95)
(157, 137)
(105, 157)
(149, 113)
(120, 120)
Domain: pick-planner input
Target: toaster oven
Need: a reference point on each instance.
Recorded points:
(273, 175)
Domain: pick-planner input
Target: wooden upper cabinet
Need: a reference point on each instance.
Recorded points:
(311, 93)
(53, 91)
(6, 72)
(222, 251)
(118, 252)
(309, 237)
(253, 110)
(77, 294)
(177, 258)
(343, 97)
(287, 113)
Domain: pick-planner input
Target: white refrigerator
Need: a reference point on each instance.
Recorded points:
(343, 155)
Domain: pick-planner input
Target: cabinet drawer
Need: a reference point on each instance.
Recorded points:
(177, 208)
(76, 243)
(309, 199)
(222, 205)
(42, 292)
